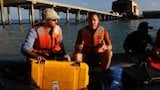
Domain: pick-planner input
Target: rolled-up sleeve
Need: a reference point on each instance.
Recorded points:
(29, 40)
(106, 37)
(61, 34)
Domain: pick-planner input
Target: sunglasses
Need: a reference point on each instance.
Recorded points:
(54, 19)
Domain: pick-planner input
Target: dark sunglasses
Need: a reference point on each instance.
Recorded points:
(54, 19)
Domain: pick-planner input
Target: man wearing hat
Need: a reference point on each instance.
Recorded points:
(136, 42)
(44, 41)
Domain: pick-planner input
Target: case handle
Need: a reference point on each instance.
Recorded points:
(76, 64)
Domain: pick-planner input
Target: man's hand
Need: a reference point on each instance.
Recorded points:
(104, 48)
(67, 57)
(38, 57)
(78, 56)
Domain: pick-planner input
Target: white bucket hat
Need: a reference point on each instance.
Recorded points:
(49, 13)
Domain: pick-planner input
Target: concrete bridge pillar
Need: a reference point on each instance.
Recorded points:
(29, 10)
(19, 14)
(78, 16)
(40, 14)
(104, 17)
(85, 17)
(2, 13)
(67, 15)
(110, 17)
(32, 14)
(87, 14)
(9, 15)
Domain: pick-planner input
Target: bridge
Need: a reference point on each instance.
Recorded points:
(31, 5)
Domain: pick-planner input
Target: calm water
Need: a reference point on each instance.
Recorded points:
(12, 36)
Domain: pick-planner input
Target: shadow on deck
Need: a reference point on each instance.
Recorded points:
(120, 59)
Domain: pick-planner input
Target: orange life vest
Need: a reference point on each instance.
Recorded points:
(92, 41)
(46, 43)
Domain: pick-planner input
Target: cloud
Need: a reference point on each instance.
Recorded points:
(153, 4)
(85, 4)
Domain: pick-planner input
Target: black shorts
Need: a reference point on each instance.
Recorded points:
(94, 59)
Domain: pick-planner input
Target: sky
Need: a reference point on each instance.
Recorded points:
(102, 5)
(105, 5)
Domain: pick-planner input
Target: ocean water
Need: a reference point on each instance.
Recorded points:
(12, 36)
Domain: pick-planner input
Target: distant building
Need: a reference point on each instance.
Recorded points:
(127, 8)
(151, 14)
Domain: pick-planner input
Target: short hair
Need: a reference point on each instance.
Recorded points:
(91, 14)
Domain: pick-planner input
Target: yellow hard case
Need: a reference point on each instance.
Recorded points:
(69, 75)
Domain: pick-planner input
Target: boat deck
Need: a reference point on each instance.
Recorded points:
(117, 60)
